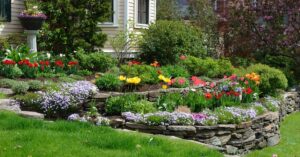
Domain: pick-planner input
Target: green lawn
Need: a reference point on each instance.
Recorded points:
(290, 142)
(20, 137)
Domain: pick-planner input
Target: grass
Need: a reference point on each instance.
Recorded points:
(35, 138)
(289, 145)
(2, 96)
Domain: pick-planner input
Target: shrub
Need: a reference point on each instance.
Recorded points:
(271, 78)
(11, 71)
(119, 104)
(208, 67)
(165, 41)
(7, 83)
(84, 72)
(175, 71)
(108, 82)
(29, 101)
(196, 101)
(147, 73)
(35, 85)
(96, 61)
(66, 79)
(20, 87)
(141, 106)
(180, 82)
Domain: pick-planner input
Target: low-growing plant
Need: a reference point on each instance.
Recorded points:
(157, 119)
(35, 85)
(141, 106)
(147, 73)
(108, 82)
(84, 72)
(11, 71)
(20, 87)
(76, 77)
(29, 101)
(66, 79)
(169, 101)
(259, 109)
(119, 104)
(7, 83)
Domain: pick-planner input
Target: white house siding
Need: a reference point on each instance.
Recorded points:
(14, 26)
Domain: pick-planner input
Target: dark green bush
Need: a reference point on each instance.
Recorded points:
(108, 82)
(20, 87)
(165, 41)
(69, 25)
(96, 61)
(35, 85)
(11, 71)
(208, 67)
(271, 78)
(175, 71)
(119, 104)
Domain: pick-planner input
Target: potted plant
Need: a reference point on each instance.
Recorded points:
(32, 18)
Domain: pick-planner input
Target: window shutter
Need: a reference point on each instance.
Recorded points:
(5, 10)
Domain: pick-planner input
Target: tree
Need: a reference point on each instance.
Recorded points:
(268, 30)
(202, 15)
(73, 24)
(168, 10)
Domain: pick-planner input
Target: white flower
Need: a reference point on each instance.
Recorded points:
(48, 55)
(35, 7)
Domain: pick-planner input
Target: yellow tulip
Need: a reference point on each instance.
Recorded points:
(122, 78)
(164, 87)
(161, 77)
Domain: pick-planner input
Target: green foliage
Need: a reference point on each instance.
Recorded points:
(84, 72)
(157, 119)
(180, 82)
(108, 82)
(208, 67)
(96, 61)
(168, 10)
(141, 106)
(29, 101)
(7, 83)
(11, 71)
(119, 104)
(147, 73)
(35, 85)
(66, 79)
(259, 109)
(165, 41)
(70, 26)
(271, 78)
(169, 101)
(196, 101)
(20, 87)
(175, 71)
(19, 53)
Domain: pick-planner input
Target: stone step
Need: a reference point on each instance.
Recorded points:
(10, 105)
(29, 114)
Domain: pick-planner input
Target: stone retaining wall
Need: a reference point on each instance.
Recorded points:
(261, 132)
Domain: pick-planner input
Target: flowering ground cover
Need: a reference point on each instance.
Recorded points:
(28, 137)
(290, 140)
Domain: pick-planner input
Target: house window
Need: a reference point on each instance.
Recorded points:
(143, 12)
(112, 20)
(5, 10)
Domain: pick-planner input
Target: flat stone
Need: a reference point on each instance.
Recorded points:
(101, 95)
(6, 91)
(238, 136)
(182, 128)
(29, 114)
(200, 128)
(272, 116)
(154, 94)
(116, 122)
(272, 141)
(268, 128)
(223, 132)
(205, 134)
(231, 150)
(262, 144)
(10, 105)
(227, 127)
(244, 125)
(144, 127)
(212, 141)
(224, 139)
(116, 94)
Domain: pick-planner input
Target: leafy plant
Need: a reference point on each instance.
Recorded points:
(11, 71)
(96, 61)
(20, 53)
(20, 87)
(175, 71)
(7, 83)
(165, 41)
(147, 73)
(108, 82)
(35, 85)
(29, 101)
(141, 106)
(119, 104)
(169, 101)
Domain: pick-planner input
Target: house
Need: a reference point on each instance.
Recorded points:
(132, 15)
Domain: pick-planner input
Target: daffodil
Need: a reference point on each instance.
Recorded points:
(164, 87)
(134, 80)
